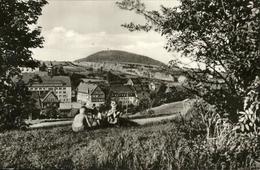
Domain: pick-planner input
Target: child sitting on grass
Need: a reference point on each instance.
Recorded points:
(113, 114)
(80, 121)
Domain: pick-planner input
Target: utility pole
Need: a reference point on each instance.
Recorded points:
(127, 102)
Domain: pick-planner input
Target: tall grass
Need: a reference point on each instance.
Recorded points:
(60, 148)
(168, 145)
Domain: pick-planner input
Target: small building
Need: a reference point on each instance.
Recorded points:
(123, 95)
(42, 101)
(49, 99)
(134, 82)
(140, 88)
(90, 94)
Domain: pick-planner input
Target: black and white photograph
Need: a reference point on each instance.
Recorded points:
(130, 84)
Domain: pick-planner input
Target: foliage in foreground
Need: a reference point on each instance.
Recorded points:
(221, 36)
(18, 35)
(180, 144)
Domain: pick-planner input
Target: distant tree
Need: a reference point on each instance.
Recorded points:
(222, 36)
(144, 104)
(177, 95)
(55, 70)
(43, 67)
(90, 69)
(35, 78)
(18, 35)
(61, 70)
(158, 97)
(50, 111)
(76, 79)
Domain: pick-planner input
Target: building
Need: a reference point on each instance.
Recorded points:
(60, 85)
(134, 82)
(123, 95)
(46, 99)
(43, 100)
(94, 81)
(90, 94)
(140, 88)
(49, 99)
(29, 70)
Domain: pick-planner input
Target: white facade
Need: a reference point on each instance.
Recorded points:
(63, 93)
(87, 100)
(125, 100)
(28, 70)
(83, 97)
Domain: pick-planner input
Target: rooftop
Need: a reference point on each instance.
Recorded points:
(87, 87)
(121, 89)
(53, 81)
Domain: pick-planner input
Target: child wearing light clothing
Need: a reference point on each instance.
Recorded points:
(80, 121)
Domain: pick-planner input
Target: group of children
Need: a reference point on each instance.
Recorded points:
(88, 118)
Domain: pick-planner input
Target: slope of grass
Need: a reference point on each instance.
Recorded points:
(60, 148)
(168, 145)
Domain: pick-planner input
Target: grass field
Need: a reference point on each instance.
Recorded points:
(110, 148)
(167, 145)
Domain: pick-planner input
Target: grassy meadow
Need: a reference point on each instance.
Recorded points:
(110, 148)
(175, 144)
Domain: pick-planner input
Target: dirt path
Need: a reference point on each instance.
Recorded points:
(144, 121)
(140, 121)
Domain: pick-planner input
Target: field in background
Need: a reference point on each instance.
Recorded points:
(164, 110)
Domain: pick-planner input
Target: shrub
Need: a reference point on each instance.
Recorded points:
(219, 144)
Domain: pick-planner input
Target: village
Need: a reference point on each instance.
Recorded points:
(57, 94)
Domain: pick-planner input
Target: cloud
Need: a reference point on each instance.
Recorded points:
(67, 44)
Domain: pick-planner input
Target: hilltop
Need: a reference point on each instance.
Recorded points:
(120, 57)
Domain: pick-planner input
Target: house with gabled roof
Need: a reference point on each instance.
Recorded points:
(124, 95)
(133, 81)
(140, 88)
(90, 94)
(44, 99)
(49, 99)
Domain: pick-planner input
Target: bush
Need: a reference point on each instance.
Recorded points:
(50, 111)
(216, 139)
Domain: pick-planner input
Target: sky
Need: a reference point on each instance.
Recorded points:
(74, 29)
